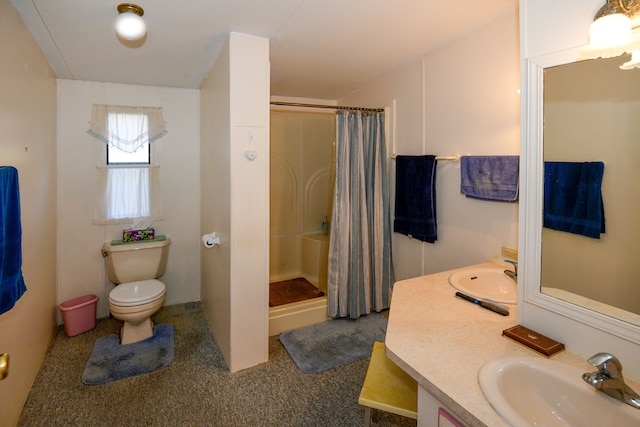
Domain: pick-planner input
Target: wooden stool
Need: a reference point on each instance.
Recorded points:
(387, 387)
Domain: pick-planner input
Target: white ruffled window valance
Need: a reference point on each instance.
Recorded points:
(125, 127)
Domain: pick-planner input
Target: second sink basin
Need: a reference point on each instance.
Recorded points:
(532, 391)
(485, 283)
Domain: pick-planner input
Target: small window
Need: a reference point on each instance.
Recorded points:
(128, 127)
(142, 156)
(128, 186)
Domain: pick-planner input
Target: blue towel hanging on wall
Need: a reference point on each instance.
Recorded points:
(573, 197)
(11, 281)
(490, 177)
(415, 205)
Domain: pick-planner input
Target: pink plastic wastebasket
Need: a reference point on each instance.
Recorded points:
(79, 314)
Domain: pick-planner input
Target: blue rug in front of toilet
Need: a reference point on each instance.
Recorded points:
(111, 361)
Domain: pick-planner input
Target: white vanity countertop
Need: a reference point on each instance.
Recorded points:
(442, 341)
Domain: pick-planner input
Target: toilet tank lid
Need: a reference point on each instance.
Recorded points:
(119, 245)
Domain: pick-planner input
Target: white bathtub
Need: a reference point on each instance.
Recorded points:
(297, 315)
(312, 265)
(315, 258)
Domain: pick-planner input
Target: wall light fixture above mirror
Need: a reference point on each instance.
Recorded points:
(615, 31)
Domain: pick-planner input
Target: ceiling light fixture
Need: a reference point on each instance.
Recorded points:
(615, 31)
(129, 23)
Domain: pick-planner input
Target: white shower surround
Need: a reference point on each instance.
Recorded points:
(301, 172)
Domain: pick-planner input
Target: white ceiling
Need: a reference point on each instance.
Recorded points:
(318, 48)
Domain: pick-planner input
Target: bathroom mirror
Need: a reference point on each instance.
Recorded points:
(579, 112)
(591, 113)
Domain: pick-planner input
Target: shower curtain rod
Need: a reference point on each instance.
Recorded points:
(333, 107)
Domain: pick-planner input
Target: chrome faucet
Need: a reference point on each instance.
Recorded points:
(608, 379)
(513, 274)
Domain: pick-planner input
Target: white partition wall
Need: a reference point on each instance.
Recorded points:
(234, 163)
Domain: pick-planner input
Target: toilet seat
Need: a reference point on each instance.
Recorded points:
(136, 293)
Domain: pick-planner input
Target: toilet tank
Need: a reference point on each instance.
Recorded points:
(130, 262)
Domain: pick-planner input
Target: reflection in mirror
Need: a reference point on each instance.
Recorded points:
(592, 114)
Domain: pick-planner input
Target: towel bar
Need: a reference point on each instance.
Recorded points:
(453, 158)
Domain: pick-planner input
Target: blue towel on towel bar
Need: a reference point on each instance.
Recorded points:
(11, 281)
(573, 197)
(415, 205)
(490, 177)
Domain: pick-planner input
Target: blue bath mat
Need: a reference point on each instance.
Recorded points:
(111, 361)
(334, 343)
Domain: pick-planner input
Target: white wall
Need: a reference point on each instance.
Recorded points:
(28, 142)
(235, 199)
(454, 100)
(81, 267)
(549, 26)
(215, 199)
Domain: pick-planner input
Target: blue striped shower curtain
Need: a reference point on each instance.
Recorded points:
(360, 267)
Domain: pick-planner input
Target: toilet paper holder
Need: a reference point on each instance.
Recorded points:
(210, 240)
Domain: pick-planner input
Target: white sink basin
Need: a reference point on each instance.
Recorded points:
(485, 283)
(532, 391)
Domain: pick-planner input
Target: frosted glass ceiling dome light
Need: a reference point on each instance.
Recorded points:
(129, 23)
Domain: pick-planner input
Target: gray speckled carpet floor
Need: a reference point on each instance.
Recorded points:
(197, 388)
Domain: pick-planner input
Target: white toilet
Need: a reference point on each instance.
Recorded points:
(134, 268)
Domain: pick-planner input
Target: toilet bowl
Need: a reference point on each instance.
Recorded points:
(134, 268)
(134, 303)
